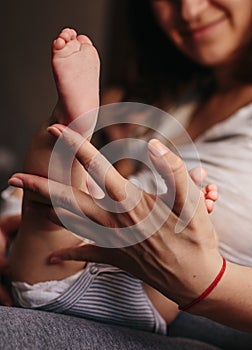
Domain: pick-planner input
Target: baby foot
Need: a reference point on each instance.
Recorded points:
(76, 66)
(209, 192)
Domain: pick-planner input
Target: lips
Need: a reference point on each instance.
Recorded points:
(198, 31)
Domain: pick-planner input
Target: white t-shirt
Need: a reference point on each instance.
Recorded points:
(225, 151)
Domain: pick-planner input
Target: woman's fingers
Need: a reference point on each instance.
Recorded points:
(98, 167)
(58, 195)
(182, 194)
(44, 191)
(102, 233)
(198, 175)
(36, 184)
(122, 258)
(172, 170)
(119, 194)
(73, 209)
(86, 252)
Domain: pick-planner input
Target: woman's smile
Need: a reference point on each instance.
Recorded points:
(202, 32)
(211, 32)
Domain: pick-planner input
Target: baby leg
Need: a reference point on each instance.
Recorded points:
(75, 65)
(210, 191)
(76, 70)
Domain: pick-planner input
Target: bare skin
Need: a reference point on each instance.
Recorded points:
(222, 48)
(76, 69)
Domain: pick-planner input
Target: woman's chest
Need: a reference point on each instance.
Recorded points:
(214, 110)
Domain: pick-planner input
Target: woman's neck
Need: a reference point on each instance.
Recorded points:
(234, 74)
(218, 106)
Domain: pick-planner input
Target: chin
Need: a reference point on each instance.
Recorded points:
(211, 59)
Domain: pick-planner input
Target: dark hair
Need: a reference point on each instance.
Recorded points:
(154, 70)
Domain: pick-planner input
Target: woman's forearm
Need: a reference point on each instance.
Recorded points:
(230, 302)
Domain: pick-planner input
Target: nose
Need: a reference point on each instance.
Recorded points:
(191, 9)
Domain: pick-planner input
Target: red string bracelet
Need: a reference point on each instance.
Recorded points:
(209, 289)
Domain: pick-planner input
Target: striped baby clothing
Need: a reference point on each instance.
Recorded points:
(107, 294)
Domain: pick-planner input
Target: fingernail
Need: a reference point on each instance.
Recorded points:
(157, 148)
(14, 181)
(55, 260)
(54, 131)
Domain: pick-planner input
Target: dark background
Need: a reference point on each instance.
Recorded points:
(27, 87)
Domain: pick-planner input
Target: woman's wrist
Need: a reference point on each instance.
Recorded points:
(194, 269)
(199, 276)
(229, 303)
(208, 290)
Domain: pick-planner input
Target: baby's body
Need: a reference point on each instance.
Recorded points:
(76, 69)
(75, 77)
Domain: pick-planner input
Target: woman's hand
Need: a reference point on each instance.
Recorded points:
(168, 241)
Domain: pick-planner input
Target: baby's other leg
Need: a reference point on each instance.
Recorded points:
(76, 69)
(209, 192)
